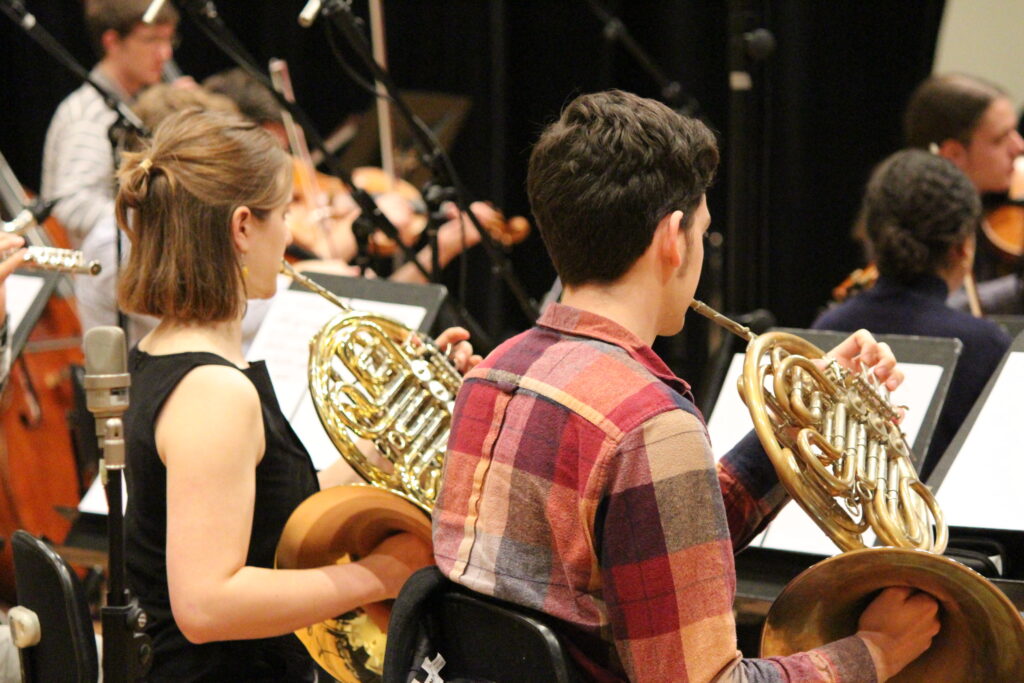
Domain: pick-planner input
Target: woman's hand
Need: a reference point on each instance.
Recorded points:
(396, 558)
(455, 343)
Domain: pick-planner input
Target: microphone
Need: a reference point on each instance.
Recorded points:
(29, 217)
(154, 9)
(106, 386)
(309, 13)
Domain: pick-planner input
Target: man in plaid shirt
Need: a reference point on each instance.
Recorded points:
(579, 480)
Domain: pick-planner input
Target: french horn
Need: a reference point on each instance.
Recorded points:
(833, 438)
(384, 394)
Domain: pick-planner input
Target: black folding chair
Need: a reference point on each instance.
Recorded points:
(66, 650)
(438, 627)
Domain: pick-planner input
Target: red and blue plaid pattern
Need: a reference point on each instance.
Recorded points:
(579, 481)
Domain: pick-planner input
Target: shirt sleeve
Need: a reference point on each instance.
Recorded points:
(81, 173)
(667, 568)
(750, 488)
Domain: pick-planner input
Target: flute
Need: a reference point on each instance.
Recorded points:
(53, 258)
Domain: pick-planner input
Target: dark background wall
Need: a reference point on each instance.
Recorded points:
(827, 107)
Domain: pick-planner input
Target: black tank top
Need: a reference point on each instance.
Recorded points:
(284, 478)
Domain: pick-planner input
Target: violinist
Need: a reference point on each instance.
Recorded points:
(919, 216)
(972, 123)
(324, 225)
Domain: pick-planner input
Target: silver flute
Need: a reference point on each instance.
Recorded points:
(53, 258)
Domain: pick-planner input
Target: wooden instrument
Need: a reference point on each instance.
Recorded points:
(1004, 225)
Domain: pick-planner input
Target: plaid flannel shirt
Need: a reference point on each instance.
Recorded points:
(579, 482)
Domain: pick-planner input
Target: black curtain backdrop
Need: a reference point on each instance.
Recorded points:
(828, 107)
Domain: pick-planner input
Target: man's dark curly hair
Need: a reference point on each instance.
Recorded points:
(603, 176)
(917, 205)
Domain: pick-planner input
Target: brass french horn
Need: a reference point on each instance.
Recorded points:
(384, 395)
(832, 437)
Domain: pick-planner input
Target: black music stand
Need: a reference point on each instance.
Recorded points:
(1007, 532)
(429, 297)
(443, 114)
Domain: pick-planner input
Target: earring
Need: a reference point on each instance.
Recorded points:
(245, 271)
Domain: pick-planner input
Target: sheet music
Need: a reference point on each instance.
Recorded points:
(793, 529)
(94, 501)
(22, 290)
(982, 487)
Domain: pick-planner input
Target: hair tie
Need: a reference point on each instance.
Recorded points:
(146, 164)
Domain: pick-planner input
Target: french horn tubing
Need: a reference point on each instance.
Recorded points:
(384, 394)
(833, 438)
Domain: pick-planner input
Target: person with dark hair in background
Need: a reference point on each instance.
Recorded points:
(972, 123)
(919, 217)
(579, 479)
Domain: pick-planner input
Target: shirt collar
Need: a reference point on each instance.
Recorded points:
(580, 323)
(931, 286)
(110, 85)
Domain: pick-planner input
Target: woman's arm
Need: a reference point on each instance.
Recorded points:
(210, 436)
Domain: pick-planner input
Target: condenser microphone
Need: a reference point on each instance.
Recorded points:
(154, 9)
(29, 217)
(106, 378)
(309, 13)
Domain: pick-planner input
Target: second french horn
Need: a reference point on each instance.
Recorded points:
(833, 439)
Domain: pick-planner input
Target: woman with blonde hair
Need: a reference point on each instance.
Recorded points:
(214, 470)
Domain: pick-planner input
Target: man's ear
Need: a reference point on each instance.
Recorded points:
(669, 235)
(954, 150)
(110, 40)
(241, 228)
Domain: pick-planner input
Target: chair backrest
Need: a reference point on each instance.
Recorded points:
(47, 586)
(478, 637)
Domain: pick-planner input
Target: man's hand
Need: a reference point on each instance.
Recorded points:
(860, 348)
(898, 626)
(460, 352)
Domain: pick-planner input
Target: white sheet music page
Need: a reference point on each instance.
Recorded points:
(22, 290)
(982, 487)
(793, 529)
(295, 316)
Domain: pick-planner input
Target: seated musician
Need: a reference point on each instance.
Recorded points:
(919, 218)
(213, 469)
(972, 122)
(579, 480)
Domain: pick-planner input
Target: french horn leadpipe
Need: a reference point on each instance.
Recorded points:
(54, 259)
(834, 441)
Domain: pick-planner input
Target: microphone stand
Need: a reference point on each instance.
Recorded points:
(443, 173)
(127, 650)
(204, 15)
(671, 90)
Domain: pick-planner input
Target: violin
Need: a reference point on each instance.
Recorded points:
(1004, 225)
